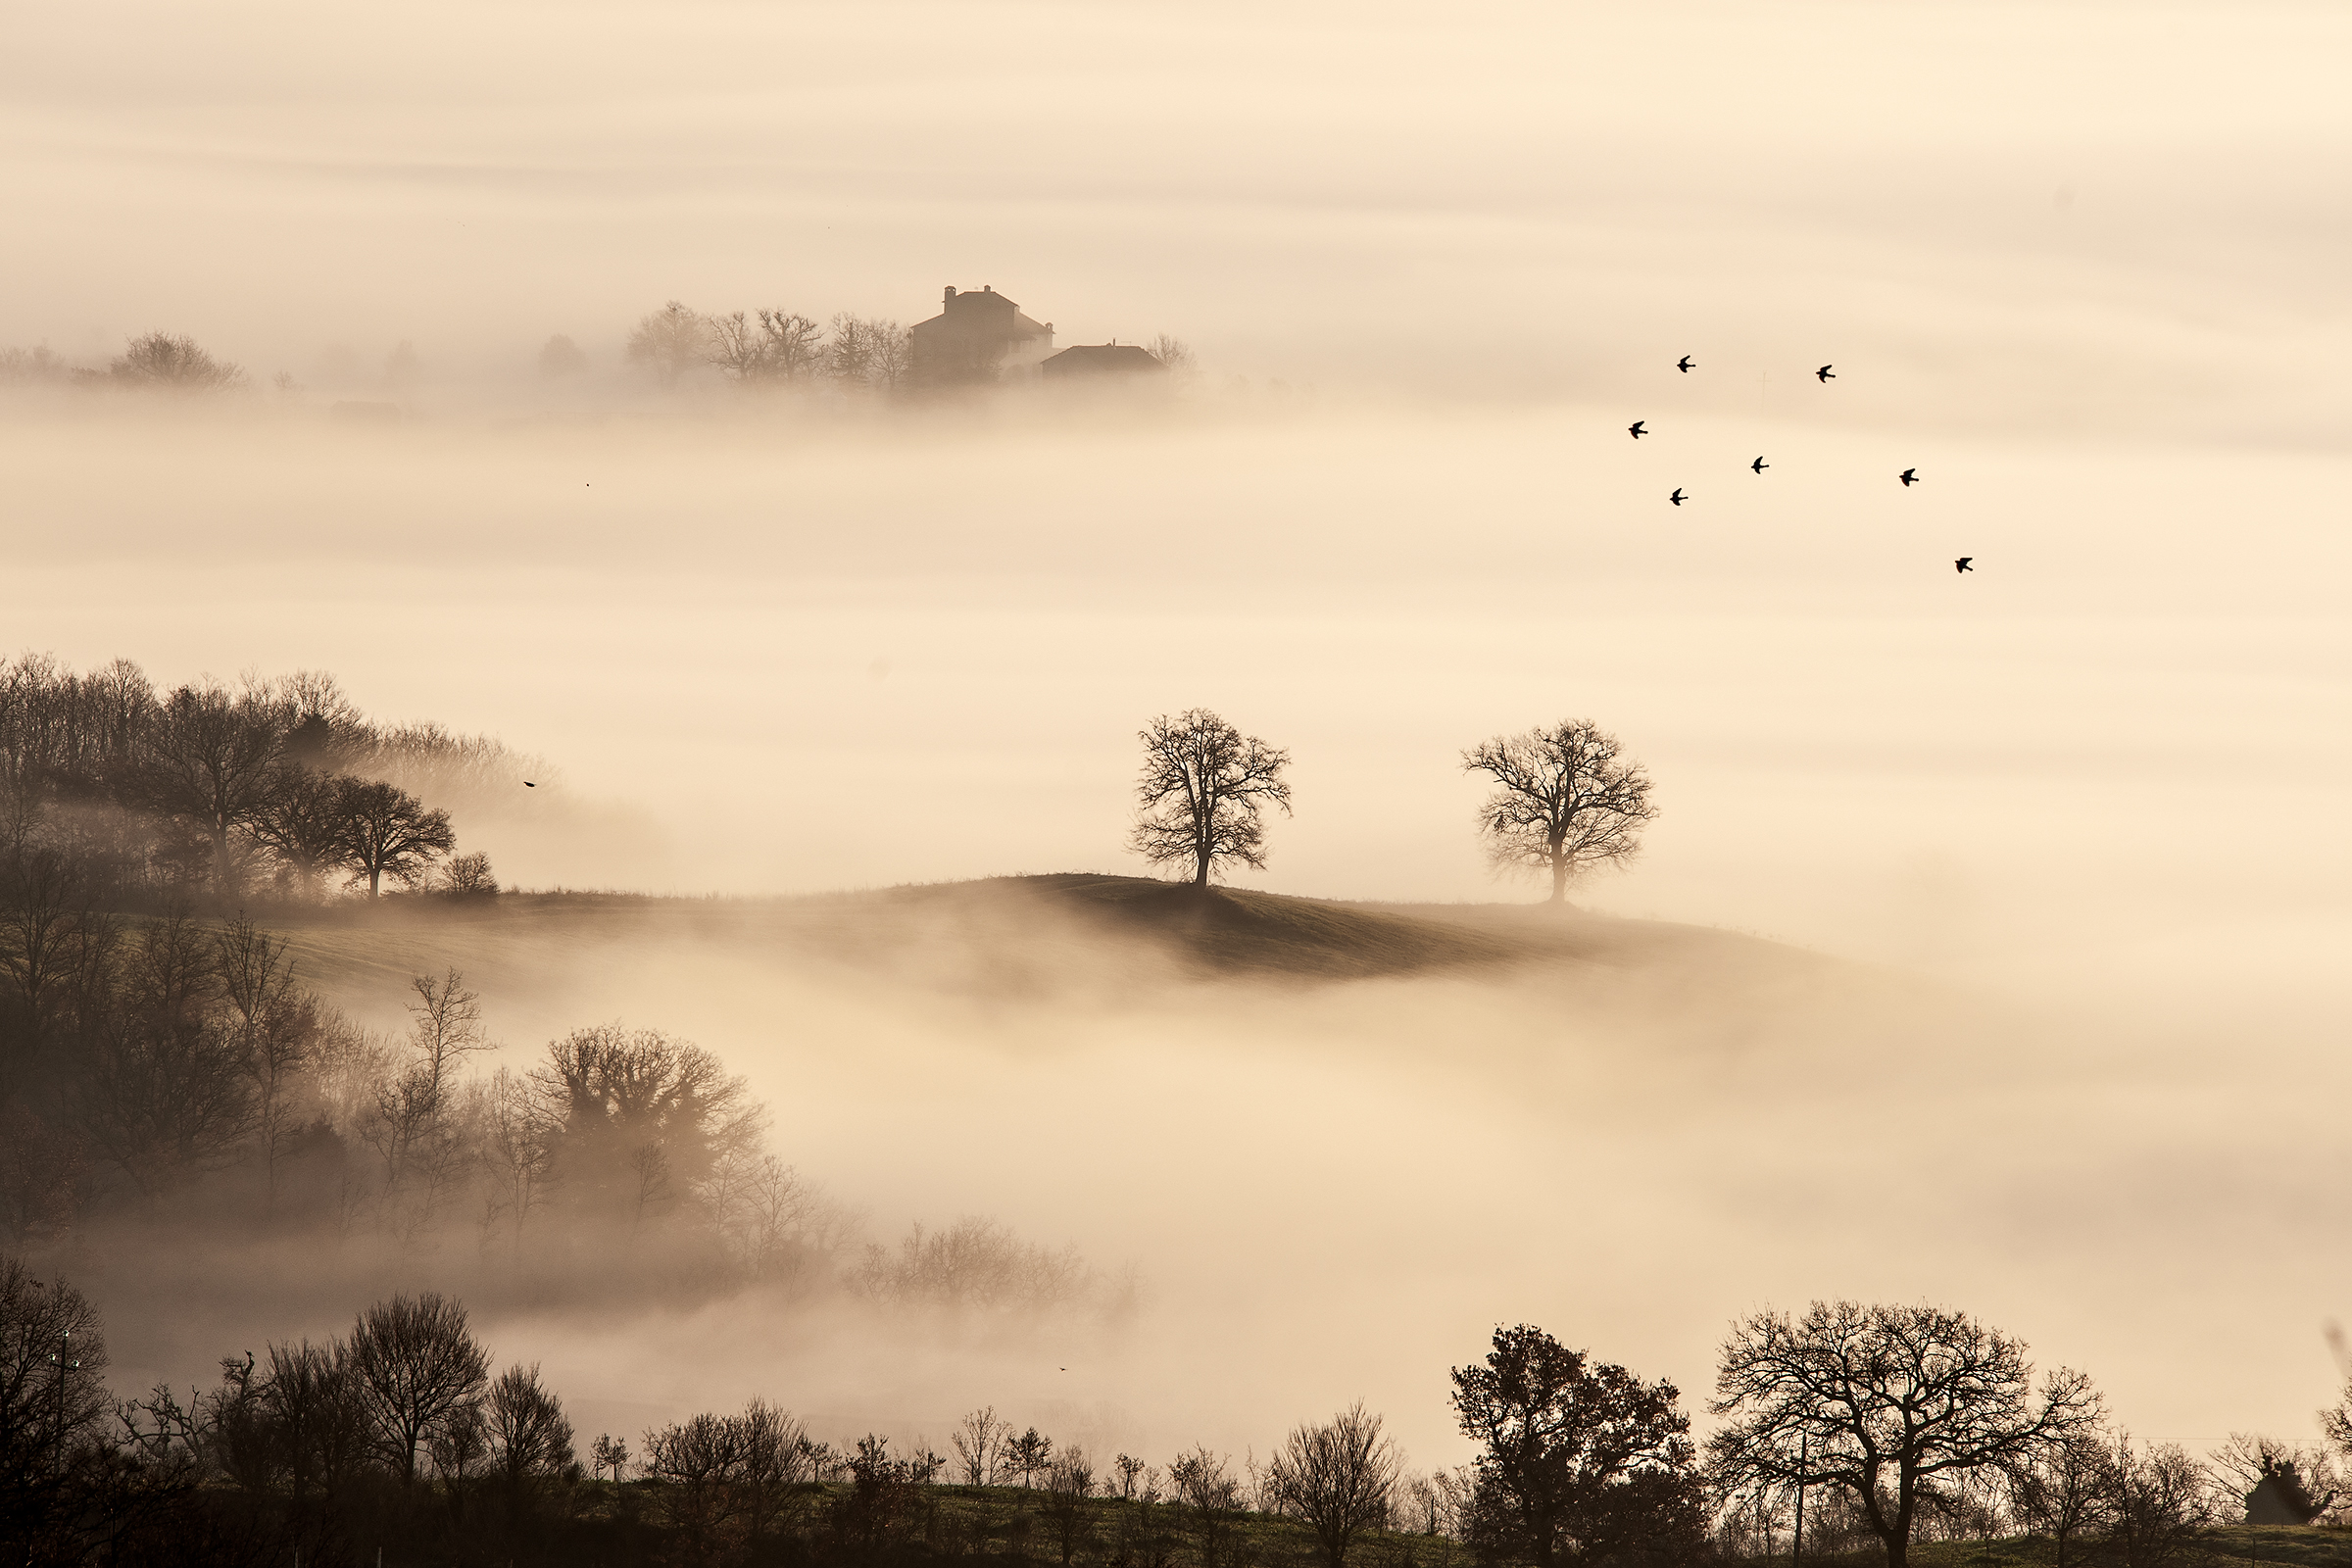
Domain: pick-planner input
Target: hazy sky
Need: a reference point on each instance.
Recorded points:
(2079, 264)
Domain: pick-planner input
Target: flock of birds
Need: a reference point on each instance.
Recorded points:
(1825, 375)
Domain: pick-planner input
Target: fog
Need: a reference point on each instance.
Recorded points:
(2060, 840)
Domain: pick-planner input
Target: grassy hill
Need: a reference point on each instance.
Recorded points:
(1017, 935)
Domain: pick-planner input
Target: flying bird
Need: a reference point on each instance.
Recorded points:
(1635, 429)
(1909, 476)
(1759, 465)
(529, 785)
(1962, 564)
(1826, 373)
(1677, 497)
(1684, 365)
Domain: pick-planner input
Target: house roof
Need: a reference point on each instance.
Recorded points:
(1103, 359)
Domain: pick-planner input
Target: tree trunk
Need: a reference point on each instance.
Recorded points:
(1559, 879)
(1200, 874)
(376, 881)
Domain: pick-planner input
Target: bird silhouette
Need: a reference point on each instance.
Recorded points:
(1909, 476)
(1826, 373)
(1759, 465)
(1962, 564)
(529, 785)
(1684, 365)
(1677, 497)
(1635, 429)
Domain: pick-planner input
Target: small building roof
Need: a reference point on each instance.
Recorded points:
(1103, 359)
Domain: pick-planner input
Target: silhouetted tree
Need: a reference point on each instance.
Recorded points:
(979, 1443)
(173, 360)
(417, 1364)
(53, 1393)
(617, 1098)
(210, 758)
(1203, 788)
(276, 1028)
(2161, 1513)
(163, 1087)
(610, 1454)
(529, 1437)
(1069, 1482)
(301, 821)
(1882, 1403)
(1563, 801)
(319, 1413)
(1578, 1460)
(670, 342)
(1337, 1478)
(1027, 1454)
(389, 832)
(1208, 1498)
(2068, 1490)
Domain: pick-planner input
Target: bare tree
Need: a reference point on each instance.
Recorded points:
(1176, 353)
(529, 1437)
(389, 832)
(53, 1393)
(1203, 788)
(520, 1147)
(2068, 1490)
(1883, 1405)
(1028, 1454)
(1069, 1482)
(670, 342)
(312, 1397)
(1337, 1478)
(210, 756)
(1208, 1498)
(1563, 802)
(417, 1362)
(277, 1028)
(2161, 1510)
(163, 1087)
(979, 1444)
(610, 1454)
(781, 345)
(302, 822)
(613, 1094)
(173, 360)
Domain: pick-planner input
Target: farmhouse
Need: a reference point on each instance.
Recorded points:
(978, 336)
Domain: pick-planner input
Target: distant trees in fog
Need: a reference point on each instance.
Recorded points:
(771, 347)
(1564, 801)
(1203, 791)
(124, 798)
(175, 360)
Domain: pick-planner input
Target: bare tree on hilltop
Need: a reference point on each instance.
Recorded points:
(1563, 802)
(1203, 787)
(389, 832)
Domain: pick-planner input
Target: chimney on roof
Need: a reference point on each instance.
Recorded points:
(951, 294)
(988, 288)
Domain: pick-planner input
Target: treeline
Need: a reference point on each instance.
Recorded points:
(116, 796)
(1853, 1431)
(767, 347)
(171, 1068)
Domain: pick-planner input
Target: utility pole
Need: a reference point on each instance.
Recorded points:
(64, 1363)
(1797, 1542)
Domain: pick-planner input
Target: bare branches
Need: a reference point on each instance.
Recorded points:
(1881, 1401)
(1202, 790)
(1337, 1478)
(1563, 801)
